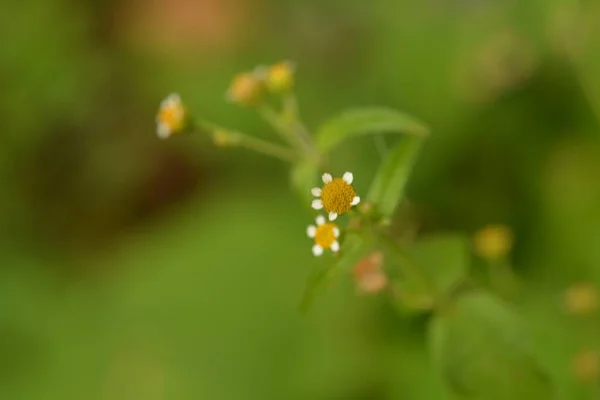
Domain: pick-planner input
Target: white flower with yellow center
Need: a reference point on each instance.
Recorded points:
(325, 235)
(171, 117)
(337, 196)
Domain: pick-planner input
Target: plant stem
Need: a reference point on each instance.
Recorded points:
(264, 147)
(233, 138)
(274, 119)
(290, 105)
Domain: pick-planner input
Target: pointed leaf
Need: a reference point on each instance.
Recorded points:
(480, 348)
(363, 121)
(387, 188)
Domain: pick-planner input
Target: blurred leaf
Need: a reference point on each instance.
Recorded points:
(480, 348)
(304, 177)
(353, 249)
(364, 121)
(444, 259)
(388, 185)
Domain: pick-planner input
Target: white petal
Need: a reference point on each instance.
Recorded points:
(170, 100)
(327, 178)
(335, 246)
(174, 98)
(163, 131)
(336, 232)
(348, 177)
(320, 220)
(355, 200)
(332, 216)
(311, 231)
(317, 250)
(317, 204)
(316, 192)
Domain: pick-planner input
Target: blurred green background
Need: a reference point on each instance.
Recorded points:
(134, 268)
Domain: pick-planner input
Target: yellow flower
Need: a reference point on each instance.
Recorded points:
(337, 196)
(493, 242)
(581, 298)
(247, 87)
(325, 235)
(171, 117)
(586, 366)
(280, 77)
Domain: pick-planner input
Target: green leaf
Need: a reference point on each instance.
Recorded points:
(363, 121)
(304, 177)
(388, 185)
(479, 347)
(353, 249)
(444, 258)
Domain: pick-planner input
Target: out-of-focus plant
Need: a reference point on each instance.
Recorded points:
(478, 343)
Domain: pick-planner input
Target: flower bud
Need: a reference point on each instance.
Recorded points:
(247, 88)
(280, 77)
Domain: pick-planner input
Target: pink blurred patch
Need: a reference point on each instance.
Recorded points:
(182, 25)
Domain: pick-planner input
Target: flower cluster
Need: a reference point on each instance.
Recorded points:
(336, 197)
(249, 88)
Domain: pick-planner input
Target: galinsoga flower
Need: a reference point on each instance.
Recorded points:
(280, 77)
(247, 87)
(171, 117)
(493, 242)
(325, 235)
(337, 195)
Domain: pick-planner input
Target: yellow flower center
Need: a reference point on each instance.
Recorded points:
(337, 196)
(171, 116)
(325, 235)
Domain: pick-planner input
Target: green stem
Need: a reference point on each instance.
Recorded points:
(274, 119)
(290, 105)
(264, 147)
(239, 139)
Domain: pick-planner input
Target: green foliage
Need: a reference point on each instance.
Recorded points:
(134, 268)
(444, 262)
(304, 177)
(387, 188)
(354, 248)
(443, 257)
(480, 347)
(365, 121)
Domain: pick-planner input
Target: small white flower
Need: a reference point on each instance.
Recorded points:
(171, 116)
(325, 235)
(337, 196)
